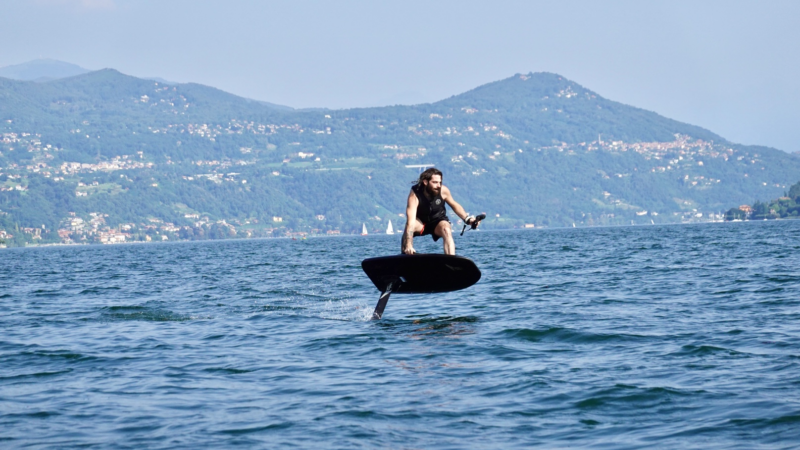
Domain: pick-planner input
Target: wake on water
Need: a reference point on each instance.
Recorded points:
(322, 307)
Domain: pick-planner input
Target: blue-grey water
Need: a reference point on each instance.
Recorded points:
(635, 337)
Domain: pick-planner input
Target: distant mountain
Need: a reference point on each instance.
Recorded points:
(189, 161)
(41, 70)
(568, 111)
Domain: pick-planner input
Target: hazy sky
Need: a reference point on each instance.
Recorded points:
(730, 66)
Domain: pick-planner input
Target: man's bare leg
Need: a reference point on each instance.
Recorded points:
(444, 230)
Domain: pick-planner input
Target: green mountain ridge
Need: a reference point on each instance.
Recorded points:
(533, 149)
(523, 99)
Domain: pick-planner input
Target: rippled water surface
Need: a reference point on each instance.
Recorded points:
(661, 336)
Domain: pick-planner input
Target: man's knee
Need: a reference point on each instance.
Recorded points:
(444, 229)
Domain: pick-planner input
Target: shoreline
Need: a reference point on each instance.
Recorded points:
(397, 234)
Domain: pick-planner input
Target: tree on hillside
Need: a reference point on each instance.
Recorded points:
(794, 191)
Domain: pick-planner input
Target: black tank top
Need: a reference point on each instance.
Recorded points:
(429, 210)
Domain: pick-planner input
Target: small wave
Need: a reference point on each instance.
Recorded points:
(441, 326)
(228, 370)
(779, 302)
(282, 308)
(426, 319)
(622, 394)
(36, 375)
(760, 423)
(145, 314)
(271, 427)
(68, 355)
(794, 418)
(46, 293)
(556, 334)
(34, 415)
(702, 350)
(768, 290)
(126, 308)
(727, 291)
(99, 290)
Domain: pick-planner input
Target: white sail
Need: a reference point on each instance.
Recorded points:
(363, 229)
(389, 229)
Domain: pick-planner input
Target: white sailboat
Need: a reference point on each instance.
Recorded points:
(363, 229)
(389, 229)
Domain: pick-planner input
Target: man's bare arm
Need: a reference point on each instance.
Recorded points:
(457, 208)
(411, 217)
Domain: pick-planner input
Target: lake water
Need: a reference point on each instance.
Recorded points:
(631, 337)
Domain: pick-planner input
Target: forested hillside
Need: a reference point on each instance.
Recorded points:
(108, 157)
(785, 207)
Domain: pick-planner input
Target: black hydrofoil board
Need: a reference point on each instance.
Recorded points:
(419, 274)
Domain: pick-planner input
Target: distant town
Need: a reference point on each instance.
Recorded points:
(144, 161)
(92, 228)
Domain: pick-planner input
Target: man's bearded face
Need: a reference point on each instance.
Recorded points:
(434, 185)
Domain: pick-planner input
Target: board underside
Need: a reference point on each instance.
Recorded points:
(422, 273)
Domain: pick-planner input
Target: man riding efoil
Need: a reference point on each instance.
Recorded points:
(426, 213)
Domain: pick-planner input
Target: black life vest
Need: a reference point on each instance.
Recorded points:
(429, 210)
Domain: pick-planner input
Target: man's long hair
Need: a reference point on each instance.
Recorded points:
(427, 175)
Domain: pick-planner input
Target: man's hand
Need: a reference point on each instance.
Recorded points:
(409, 250)
(473, 221)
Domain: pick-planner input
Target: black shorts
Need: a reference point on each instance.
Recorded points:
(430, 227)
